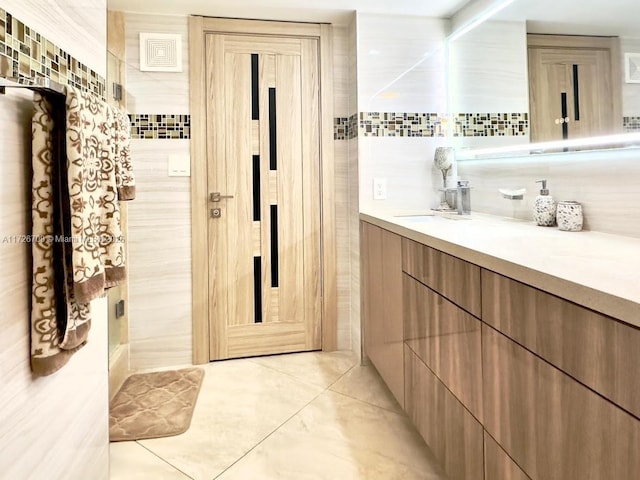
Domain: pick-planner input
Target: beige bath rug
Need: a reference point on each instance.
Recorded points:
(153, 405)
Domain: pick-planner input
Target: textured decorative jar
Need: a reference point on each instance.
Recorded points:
(544, 211)
(569, 216)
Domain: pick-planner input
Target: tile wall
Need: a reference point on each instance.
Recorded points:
(607, 183)
(55, 426)
(401, 87)
(160, 217)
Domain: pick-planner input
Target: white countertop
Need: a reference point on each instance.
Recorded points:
(597, 270)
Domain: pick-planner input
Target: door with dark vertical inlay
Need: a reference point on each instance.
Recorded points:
(570, 92)
(263, 141)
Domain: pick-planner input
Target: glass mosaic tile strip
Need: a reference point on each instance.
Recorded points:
(26, 53)
(345, 128)
(397, 124)
(491, 124)
(160, 126)
(631, 124)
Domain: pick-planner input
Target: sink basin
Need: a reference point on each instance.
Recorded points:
(431, 217)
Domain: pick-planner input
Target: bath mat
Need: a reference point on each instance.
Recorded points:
(154, 405)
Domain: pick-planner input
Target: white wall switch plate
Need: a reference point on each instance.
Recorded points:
(379, 188)
(179, 166)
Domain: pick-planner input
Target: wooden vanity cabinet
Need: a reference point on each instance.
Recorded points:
(597, 350)
(452, 433)
(552, 426)
(443, 357)
(381, 273)
(502, 380)
(451, 277)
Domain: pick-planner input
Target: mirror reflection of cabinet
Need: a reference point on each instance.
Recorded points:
(574, 87)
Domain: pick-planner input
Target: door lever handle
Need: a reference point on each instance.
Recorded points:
(216, 197)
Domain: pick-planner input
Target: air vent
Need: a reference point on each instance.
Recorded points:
(160, 52)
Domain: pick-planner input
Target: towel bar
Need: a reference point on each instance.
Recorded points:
(37, 83)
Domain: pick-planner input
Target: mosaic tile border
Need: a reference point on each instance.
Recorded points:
(395, 124)
(631, 124)
(149, 126)
(345, 128)
(26, 53)
(491, 124)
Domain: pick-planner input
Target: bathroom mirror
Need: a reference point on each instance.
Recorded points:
(490, 77)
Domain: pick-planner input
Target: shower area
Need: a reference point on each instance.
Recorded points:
(117, 296)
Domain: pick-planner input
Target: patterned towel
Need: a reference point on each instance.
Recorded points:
(98, 168)
(77, 246)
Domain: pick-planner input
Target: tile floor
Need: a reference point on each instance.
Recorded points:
(301, 416)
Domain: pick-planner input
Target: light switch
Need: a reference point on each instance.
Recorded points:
(179, 165)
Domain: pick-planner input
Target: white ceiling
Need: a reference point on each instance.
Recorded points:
(330, 11)
(577, 17)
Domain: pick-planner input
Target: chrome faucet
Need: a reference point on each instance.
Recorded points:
(463, 197)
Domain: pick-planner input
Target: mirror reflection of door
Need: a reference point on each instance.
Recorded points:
(574, 89)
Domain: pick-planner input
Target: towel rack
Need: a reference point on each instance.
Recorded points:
(39, 84)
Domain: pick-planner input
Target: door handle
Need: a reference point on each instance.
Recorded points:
(216, 197)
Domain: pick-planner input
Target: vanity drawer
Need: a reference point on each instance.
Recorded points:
(497, 464)
(454, 436)
(447, 339)
(552, 426)
(457, 280)
(597, 350)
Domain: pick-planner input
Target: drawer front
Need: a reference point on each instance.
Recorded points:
(597, 350)
(447, 339)
(497, 464)
(451, 277)
(453, 435)
(552, 426)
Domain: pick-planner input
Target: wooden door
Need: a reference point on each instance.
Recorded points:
(263, 142)
(571, 94)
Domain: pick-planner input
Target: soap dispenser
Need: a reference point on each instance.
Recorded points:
(544, 209)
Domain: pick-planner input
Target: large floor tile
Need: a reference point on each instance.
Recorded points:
(337, 437)
(319, 368)
(130, 461)
(240, 403)
(364, 383)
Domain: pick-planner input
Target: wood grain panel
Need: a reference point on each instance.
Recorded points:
(265, 339)
(311, 189)
(447, 339)
(237, 213)
(497, 464)
(215, 147)
(382, 305)
(198, 77)
(263, 27)
(290, 168)
(461, 284)
(255, 137)
(593, 348)
(257, 239)
(329, 254)
(551, 425)
(451, 432)
(268, 45)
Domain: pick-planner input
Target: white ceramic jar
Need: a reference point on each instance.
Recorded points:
(569, 216)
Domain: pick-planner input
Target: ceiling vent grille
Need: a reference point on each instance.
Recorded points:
(160, 52)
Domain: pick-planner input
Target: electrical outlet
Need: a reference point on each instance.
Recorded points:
(379, 188)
